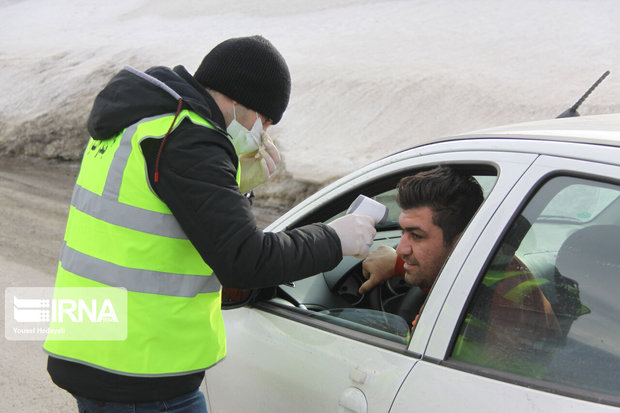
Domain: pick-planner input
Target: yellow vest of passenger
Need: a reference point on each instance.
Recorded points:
(120, 234)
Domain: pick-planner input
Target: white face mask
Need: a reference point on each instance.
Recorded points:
(244, 140)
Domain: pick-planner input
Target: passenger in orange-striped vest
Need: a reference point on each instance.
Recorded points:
(159, 212)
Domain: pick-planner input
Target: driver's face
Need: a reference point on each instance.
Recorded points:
(421, 246)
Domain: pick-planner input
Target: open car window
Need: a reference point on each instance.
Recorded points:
(332, 297)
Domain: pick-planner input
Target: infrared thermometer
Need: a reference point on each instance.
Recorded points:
(368, 206)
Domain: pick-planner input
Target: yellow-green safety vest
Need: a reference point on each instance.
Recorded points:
(120, 234)
(470, 344)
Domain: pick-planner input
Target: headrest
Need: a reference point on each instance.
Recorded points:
(594, 250)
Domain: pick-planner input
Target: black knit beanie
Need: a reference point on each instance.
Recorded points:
(251, 71)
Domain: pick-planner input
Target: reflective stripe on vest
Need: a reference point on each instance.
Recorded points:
(137, 280)
(120, 234)
(124, 215)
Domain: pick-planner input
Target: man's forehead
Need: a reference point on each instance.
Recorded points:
(419, 217)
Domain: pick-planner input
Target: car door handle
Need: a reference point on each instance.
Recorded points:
(352, 400)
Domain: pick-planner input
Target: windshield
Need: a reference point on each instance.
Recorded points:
(579, 202)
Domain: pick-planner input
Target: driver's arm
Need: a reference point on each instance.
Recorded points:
(378, 267)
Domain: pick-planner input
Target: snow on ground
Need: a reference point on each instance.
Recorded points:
(369, 76)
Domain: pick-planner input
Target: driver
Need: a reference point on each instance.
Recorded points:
(436, 207)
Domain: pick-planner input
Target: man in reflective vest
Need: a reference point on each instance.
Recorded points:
(159, 211)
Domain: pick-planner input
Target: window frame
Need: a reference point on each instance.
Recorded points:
(439, 349)
(333, 208)
(507, 166)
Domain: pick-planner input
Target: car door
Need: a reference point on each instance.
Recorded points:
(569, 366)
(282, 359)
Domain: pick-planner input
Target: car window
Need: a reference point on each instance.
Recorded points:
(388, 198)
(547, 305)
(387, 311)
(580, 202)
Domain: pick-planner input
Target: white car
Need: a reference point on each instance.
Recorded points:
(552, 192)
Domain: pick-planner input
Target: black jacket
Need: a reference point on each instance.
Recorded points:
(197, 172)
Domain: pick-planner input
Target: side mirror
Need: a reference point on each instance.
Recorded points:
(235, 297)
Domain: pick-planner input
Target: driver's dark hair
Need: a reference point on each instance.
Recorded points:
(453, 196)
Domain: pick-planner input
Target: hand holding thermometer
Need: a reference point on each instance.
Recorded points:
(356, 229)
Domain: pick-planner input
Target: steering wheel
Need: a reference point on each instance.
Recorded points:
(411, 304)
(407, 306)
(375, 297)
(349, 284)
(404, 302)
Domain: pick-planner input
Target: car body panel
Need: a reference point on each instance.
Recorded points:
(322, 368)
(597, 129)
(281, 358)
(432, 387)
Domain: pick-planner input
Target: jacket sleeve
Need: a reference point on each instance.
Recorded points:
(197, 182)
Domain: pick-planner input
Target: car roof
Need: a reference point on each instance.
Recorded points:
(595, 129)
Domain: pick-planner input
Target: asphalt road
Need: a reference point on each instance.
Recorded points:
(34, 200)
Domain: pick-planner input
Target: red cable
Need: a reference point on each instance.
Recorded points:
(163, 141)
